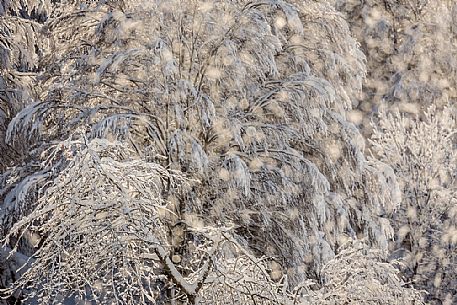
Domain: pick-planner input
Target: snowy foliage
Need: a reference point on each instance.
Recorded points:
(190, 152)
(99, 207)
(105, 238)
(410, 49)
(20, 49)
(362, 275)
(411, 71)
(423, 154)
